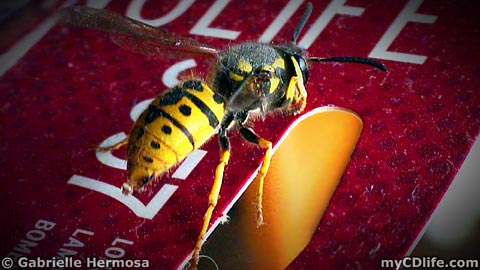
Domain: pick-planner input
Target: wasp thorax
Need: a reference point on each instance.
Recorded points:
(126, 188)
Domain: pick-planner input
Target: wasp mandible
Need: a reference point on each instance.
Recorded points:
(248, 77)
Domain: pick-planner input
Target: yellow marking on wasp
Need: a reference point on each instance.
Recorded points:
(139, 173)
(274, 82)
(279, 63)
(142, 151)
(296, 83)
(212, 202)
(268, 69)
(290, 89)
(235, 77)
(140, 170)
(176, 138)
(300, 84)
(162, 142)
(195, 119)
(166, 151)
(244, 66)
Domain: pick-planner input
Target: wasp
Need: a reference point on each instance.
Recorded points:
(248, 78)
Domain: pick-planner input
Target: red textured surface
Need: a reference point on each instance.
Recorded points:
(75, 88)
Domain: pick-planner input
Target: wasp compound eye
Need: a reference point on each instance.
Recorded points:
(303, 66)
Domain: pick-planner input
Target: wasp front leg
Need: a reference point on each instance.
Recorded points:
(296, 93)
(217, 184)
(299, 99)
(249, 135)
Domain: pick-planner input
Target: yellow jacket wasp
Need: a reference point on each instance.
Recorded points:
(247, 77)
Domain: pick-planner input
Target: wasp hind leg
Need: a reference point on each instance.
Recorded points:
(214, 192)
(249, 135)
(113, 147)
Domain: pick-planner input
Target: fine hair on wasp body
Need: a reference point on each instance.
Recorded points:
(247, 77)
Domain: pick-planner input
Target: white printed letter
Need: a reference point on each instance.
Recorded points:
(280, 21)
(135, 7)
(134, 204)
(202, 27)
(335, 7)
(406, 15)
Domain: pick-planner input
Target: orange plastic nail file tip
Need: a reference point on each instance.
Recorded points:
(305, 170)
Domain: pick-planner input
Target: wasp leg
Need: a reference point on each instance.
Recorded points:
(298, 99)
(113, 147)
(250, 136)
(217, 184)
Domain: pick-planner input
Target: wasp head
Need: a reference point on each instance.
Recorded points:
(256, 90)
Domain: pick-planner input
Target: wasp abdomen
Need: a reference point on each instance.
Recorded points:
(175, 123)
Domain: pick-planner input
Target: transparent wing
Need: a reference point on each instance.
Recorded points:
(250, 95)
(131, 34)
(242, 99)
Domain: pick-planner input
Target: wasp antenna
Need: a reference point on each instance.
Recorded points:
(346, 59)
(303, 21)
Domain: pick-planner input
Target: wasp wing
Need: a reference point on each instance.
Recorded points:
(249, 95)
(131, 34)
(242, 100)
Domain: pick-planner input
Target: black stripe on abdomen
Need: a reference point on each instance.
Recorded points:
(212, 118)
(173, 96)
(153, 112)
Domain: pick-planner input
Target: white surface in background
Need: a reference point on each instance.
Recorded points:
(459, 210)
(455, 217)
